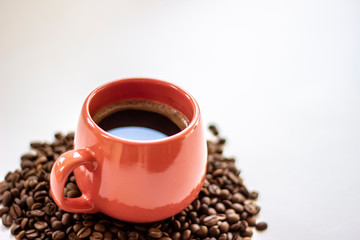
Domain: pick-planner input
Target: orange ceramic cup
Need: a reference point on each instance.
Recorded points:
(135, 181)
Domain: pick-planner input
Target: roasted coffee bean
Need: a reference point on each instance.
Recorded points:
(176, 225)
(15, 192)
(214, 130)
(220, 207)
(56, 225)
(40, 225)
(251, 221)
(96, 236)
(165, 238)
(31, 234)
(58, 235)
(224, 227)
(211, 211)
(20, 235)
(186, 234)
(194, 228)
(7, 220)
(66, 219)
(50, 209)
(210, 220)
(202, 232)
(40, 195)
(37, 213)
(7, 198)
(247, 233)
(214, 231)
(235, 226)
(251, 208)
(29, 201)
(261, 226)
(233, 218)
(99, 227)
(15, 211)
(15, 229)
(73, 194)
(23, 223)
(84, 232)
(223, 236)
(3, 210)
(36, 206)
(77, 227)
(154, 233)
(238, 198)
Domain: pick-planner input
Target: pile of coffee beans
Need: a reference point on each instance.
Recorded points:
(224, 209)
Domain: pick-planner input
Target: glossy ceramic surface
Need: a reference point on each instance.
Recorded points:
(136, 181)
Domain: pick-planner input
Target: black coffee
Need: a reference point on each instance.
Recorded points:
(139, 125)
(140, 120)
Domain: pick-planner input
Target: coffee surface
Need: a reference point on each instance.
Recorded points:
(140, 120)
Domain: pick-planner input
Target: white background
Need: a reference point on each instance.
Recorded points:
(281, 79)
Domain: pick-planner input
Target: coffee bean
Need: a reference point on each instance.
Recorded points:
(29, 201)
(214, 231)
(58, 235)
(96, 236)
(210, 220)
(176, 225)
(36, 206)
(23, 223)
(15, 229)
(15, 211)
(214, 130)
(7, 220)
(247, 233)
(31, 234)
(20, 235)
(56, 225)
(186, 234)
(211, 211)
(99, 227)
(73, 194)
(220, 207)
(238, 198)
(194, 228)
(3, 210)
(261, 226)
(233, 218)
(7, 198)
(202, 232)
(238, 207)
(223, 236)
(66, 219)
(84, 232)
(155, 233)
(50, 209)
(235, 226)
(251, 221)
(40, 195)
(224, 227)
(40, 225)
(37, 213)
(251, 208)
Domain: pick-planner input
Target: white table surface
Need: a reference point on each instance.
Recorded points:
(281, 79)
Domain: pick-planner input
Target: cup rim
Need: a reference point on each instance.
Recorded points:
(194, 122)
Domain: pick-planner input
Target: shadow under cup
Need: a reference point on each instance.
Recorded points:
(141, 181)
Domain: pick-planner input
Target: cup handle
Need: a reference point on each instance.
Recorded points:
(60, 172)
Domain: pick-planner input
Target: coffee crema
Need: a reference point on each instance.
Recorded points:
(139, 119)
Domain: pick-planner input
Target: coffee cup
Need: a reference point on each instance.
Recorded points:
(134, 180)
